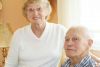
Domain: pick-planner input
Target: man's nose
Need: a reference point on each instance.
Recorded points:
(70, 43)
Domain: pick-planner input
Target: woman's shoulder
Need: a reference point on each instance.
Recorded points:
(22, 29)
(56, 25)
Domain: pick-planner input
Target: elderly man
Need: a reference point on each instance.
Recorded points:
(77, 45)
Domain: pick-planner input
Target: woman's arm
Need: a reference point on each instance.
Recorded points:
(12, 57)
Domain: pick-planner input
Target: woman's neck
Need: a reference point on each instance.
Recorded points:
(38, 29)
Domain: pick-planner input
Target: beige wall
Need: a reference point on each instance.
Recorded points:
(63, 12)
(12, 13)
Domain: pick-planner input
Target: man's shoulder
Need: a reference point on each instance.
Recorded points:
(92, 63)
(67, 63)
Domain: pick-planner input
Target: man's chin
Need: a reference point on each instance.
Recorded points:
(70, 55)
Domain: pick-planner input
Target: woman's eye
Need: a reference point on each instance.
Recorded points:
(30, 10)
(39, 9)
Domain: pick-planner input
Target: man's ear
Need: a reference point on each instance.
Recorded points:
(90, 42)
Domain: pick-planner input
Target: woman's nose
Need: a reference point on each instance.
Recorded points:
(35, 12)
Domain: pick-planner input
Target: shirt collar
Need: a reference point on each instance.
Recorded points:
(83, 62)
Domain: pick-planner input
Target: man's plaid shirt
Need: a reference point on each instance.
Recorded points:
(86, 62)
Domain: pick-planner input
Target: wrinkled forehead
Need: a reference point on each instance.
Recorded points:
(35, 5)
(76, 32)
(36, 1)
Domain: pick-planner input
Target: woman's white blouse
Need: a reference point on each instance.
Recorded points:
(27, 50)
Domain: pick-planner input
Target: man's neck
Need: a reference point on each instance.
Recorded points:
(77, 59)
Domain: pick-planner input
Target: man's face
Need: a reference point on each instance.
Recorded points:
(75, 43)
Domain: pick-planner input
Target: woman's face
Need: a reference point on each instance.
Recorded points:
(36, 13)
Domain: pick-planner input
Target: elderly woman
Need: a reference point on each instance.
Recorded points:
(78, 42)
(38, 44)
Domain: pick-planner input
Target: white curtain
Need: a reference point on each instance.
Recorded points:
(68, 12)
(81, 12)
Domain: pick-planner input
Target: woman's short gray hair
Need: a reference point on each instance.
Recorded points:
(46, 3)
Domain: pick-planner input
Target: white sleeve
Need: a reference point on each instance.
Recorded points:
(12, 57)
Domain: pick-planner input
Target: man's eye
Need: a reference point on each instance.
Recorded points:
(74, 39)
(66, 39)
